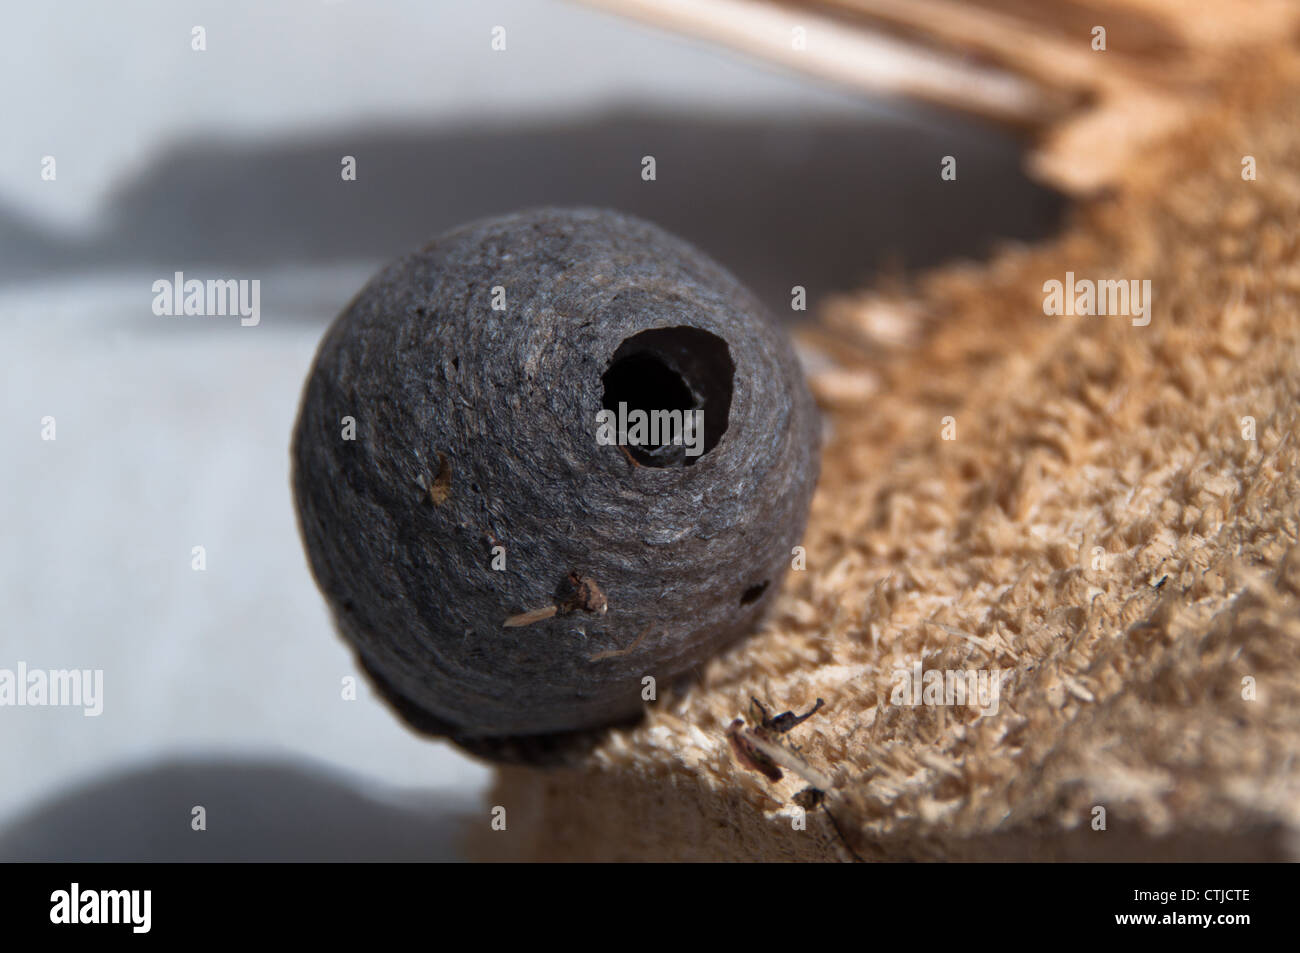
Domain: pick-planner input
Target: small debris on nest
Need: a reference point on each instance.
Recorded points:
(439, 488)
(615, 653)
(580, 592)
(574, 592)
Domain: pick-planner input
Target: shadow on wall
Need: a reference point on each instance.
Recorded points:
(255, 811)
(782, 201)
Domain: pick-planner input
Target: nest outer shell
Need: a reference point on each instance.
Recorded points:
(475, 428)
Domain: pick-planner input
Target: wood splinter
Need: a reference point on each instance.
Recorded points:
(531, 616)
(616, 653)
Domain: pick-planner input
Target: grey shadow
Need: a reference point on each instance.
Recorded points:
(815, 201)
(255, 811)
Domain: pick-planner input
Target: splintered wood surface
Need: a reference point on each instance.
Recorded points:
(1102, 509)
(1092, 112)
